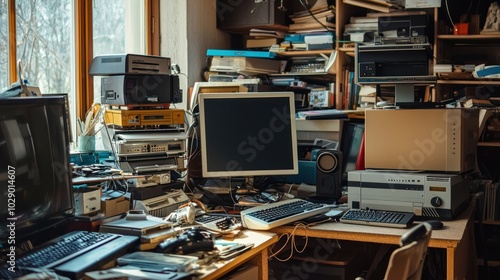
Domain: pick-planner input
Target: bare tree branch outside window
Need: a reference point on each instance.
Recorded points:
(44, 43)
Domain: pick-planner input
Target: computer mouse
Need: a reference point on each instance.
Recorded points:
(435, 224)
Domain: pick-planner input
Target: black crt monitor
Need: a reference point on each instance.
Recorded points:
(248, 134)
(36, 191)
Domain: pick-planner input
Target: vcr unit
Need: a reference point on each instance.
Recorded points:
(117, 64)
(140, 89)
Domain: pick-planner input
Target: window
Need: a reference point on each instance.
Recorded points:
(43, 44)
(4, 46)
(55, 41)
(118, 27)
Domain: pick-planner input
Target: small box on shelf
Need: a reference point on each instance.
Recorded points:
(320, 99)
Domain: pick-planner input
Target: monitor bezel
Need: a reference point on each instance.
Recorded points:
(248, 173)
(36, 228)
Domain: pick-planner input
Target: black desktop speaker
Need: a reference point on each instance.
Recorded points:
(329, 174)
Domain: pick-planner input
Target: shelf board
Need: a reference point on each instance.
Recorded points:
(468, 82)
(490, 262)
(495, 223)
(301, 74)
(350, 51)
(469, 37)
(347, 49)
(304, 53)
(493, 39)
(489, 144)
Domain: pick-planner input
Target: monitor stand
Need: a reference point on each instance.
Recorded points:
(404, 93)
(404, 98)
(322, 199)
(225, 185)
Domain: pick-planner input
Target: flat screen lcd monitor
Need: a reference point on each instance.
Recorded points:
(248, 134)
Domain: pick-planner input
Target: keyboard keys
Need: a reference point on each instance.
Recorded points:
(59, 251)
(378, 218)
(280, 213)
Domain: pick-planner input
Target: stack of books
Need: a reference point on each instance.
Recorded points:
(491, 210)
(320, 18)
(263, 39)
(245, 62)
(367, 97)
(383, 6)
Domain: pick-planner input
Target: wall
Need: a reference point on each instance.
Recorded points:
(188, 29)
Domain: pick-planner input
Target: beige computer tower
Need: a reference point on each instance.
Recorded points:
(438, 139)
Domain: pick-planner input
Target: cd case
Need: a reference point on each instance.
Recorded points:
(159, 262)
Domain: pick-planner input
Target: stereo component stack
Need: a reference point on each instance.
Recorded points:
(148, 136)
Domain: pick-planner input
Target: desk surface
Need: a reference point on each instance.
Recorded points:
(451, 234)
(261, 240)
(456, 236)
(257, 255)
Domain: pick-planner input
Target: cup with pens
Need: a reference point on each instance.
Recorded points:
(88, 128)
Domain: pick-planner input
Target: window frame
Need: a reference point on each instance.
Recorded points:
(84, 86)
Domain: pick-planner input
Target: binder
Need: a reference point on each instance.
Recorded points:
(242, 53)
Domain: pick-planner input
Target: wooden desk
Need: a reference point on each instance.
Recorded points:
(456, 237)
(258, 256)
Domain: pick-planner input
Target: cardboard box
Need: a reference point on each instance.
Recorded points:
(320, 99)
(112, 206)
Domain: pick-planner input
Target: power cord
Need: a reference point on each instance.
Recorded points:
(449, 15)
(290, 238)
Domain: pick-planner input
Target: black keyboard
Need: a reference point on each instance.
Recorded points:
(280, 213)
(67, 247)
(378, 218)
(58, 251)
